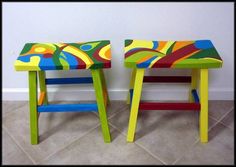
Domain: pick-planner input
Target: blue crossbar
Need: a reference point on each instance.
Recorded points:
(195, 96)
(68, 108)
(52, 81)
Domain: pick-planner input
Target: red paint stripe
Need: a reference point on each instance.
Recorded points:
(81, 63)
(99, 58)
(169, 59)
(176, 79)
(62, 47)
(107, 65)
(169, 106)
(138, 50)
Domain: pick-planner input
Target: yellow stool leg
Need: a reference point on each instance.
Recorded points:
(204, 105)
(138, 82)
(131, 85)
(194, 79)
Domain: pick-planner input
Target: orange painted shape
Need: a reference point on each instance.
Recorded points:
(181, 44)
(143, 59)
(161, 45)
(41, 98)
(108, 54)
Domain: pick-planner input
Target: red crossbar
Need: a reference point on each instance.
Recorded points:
(183, 79)
(169, 106)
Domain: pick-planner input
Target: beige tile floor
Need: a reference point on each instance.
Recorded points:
(162, 137)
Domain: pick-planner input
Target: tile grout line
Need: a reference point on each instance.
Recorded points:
(231, 109)
(117, 129)
(7, 113)
(216, 123)
(150, 153)
(111, 116)
(154, 156)
(222, 117)
(22, 149)
(63, 147)
(196, 141)
(117, 112)
(226, 126)
(114, 114)
(178, 159)
(107, 115)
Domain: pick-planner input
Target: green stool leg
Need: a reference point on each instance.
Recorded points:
(131, 85)
(42, 86)
(33, 106)
(138, 82)
(97, 83)
(104, 86)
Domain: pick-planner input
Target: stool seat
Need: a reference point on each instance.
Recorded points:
(171, 54)
(196, 55)
(64, 56)
(37, 58)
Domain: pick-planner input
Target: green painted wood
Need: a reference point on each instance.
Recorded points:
(42, 86)
(104, 85)
(33, 106)
(97, 83)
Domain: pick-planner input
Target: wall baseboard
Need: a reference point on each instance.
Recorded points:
(21, 94)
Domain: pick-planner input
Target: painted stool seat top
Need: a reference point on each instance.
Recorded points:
(171, 54)
(64, 56)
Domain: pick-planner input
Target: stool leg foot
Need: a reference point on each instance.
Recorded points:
(33, 107)
(131, 86)
(204, 105)
(97, 82)
(42, 86)
(138, 81)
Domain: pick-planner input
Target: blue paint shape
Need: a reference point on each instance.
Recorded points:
(27, 57)
(71, 60)
(47, 64)
(68, 108)
(155, 45)
(131, 95)
(86, 47)
(53, 81)
(203, 44)
(146, 63)
(195, 96)
(44, 64)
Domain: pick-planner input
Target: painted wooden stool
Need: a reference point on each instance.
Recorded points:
(36, 58)
(199, 56)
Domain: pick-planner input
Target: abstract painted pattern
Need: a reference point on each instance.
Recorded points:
(171, 54)
(64, 56)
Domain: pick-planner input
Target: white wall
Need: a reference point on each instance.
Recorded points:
(74, 22)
